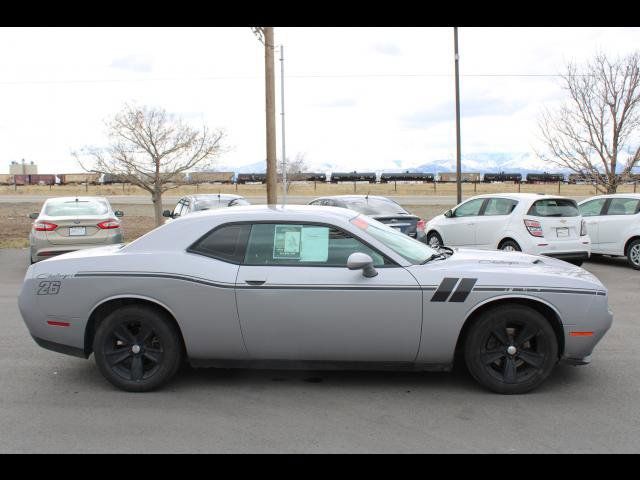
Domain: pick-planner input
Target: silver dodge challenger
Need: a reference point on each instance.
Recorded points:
(311, 287)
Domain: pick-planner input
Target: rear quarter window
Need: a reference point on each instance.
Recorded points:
(554, 207)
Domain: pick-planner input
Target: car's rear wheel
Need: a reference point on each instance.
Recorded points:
(511, 349)
(633, 254)
(509, 246)
(137, 348)
(434, 240)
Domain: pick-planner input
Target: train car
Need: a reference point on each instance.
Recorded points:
(210, 177)
(353, 177)
(243, 178)
(315, 177)
(70, 178)
(35, 179)
(502, 177)
(6, 179)
(465, 177)
(109, 178)
(545, 177)
(407, 177)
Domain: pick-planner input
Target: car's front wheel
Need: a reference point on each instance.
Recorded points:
(633, 254)
(137, 348)
(511, 349)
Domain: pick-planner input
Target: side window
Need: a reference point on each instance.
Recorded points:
(469, 209)
(294, 244)
(227, 243)
(623, 206)
(178, 210)
(592, 208)
(500, 206)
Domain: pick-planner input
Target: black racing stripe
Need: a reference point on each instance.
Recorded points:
(489, 289)
(251, 287)
(463, 290)
(444, 290)
(538, 290)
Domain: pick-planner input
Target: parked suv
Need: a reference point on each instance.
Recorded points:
(613, 223)
(195, 203)
(527, 222)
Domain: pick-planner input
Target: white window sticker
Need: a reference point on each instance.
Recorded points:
(315, 244)
(286, 241)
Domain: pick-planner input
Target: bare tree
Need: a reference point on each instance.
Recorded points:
(294, 168)
(151, 149)
(595, 133)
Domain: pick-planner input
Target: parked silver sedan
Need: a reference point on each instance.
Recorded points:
(206, 201)
(66, 224)
(311, 287)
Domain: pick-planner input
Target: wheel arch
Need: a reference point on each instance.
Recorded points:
(508, 237)
(108, 305)
(548, 311)
(628, 242)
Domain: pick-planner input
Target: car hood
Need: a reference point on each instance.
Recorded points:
(495, 267)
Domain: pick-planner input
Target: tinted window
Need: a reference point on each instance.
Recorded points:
(500, 206)
(554, 207)
(295, 244)
(623, 206)
(469, 209)
(60, 208)
(224, 243)
(373, 206)
(592, 208)
(178, 210)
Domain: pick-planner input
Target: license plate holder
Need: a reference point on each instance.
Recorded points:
(562, 232)
(77, 231)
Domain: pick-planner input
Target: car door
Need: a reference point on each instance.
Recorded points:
(460, 228)
(592, 212)
(619, 214)
(298, 301)
(494, 218)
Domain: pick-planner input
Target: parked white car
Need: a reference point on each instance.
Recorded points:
(613, 223)
(528, 222)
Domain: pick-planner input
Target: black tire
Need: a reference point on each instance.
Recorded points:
(633, 254)
(494, 332)
(434, 240)
(510, 246)
(156, 360)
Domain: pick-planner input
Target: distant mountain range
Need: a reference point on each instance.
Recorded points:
(479, 162)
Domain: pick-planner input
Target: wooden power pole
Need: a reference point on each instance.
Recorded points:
(270, 93)
(458, 153)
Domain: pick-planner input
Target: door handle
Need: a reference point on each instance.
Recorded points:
(255, 282)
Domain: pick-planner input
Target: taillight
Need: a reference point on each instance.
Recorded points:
(583, 228)
(107, 224)
(43, 226)
(534, 228)
(420, 226)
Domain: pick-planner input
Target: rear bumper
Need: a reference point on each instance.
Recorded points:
(569, 255)
(48, 251)
(60, 348)
(574, 249)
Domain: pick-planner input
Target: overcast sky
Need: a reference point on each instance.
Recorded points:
(360, 98)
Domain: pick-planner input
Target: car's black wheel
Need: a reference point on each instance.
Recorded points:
(137, 348)
(509, 246)
(633, 254)
(434, 240)
(511, 349)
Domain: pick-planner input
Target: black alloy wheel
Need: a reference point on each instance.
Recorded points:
(511, 349)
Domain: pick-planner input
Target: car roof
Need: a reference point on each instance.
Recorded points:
(517, 196)
(208, 196)
(614, 195)
(79, 197)
(355, 197)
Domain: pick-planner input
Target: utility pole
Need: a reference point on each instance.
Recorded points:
(270, 93)
(458, 154)
(284, 156)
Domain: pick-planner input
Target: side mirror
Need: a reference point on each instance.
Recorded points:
(448, 213)
(167, 213)
(362, 261)
(119, 213)
(33, 216)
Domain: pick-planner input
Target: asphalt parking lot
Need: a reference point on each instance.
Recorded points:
(54, 403)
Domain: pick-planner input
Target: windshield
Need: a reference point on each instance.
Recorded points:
(412, 250)
(61, 208)
(215, 202)
(374, 206)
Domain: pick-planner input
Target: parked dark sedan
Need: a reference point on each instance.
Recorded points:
(382, 209)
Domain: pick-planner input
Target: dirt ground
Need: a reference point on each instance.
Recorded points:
(138, 220)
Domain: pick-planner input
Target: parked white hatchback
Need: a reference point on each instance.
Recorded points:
(613, 223)
(528, 222)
